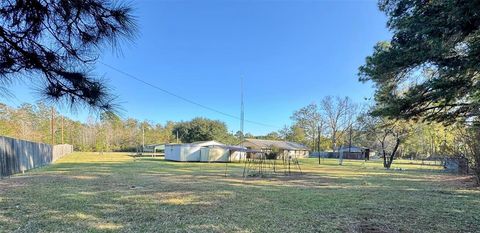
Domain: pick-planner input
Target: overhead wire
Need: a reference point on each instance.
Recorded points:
(184, 98)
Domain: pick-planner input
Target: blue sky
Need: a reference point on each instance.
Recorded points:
(290, 53)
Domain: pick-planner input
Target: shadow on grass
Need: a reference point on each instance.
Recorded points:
(157, 195)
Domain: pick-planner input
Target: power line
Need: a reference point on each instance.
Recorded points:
(183, 98)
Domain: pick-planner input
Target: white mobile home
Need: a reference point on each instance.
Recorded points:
(188, 151)
(209, 151)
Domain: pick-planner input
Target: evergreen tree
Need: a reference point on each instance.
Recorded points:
(55, 43)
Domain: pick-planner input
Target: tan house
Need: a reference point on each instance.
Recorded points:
(284, 148)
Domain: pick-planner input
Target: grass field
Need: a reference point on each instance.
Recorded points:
(86, 192)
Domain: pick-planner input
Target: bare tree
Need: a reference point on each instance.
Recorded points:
(339, 114)
(388, 134)
(397, 131)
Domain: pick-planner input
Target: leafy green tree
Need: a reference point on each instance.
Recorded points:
(166, 134)
(430, 140)
(273, 136)
(6, 127)
(309, 119)
(270, 136)
(109, 132)
(294, 133)
(201, 129)
(239, 135)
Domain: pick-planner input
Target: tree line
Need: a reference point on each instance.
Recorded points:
(339, 122)
(335, 122)
(107, 132)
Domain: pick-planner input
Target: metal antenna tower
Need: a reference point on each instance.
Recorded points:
(242, 113)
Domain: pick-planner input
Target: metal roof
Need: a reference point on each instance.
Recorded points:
(156, 145)
(205, 142)
(237, 148)
(198, 143)
(352, 148)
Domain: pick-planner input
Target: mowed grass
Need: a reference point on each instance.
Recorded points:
(87, 192)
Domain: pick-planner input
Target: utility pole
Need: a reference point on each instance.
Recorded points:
(63, 122)
(52, 125)
(242, 113)
(319, 128)
(143, 136)
(242, 117)
(350, 140)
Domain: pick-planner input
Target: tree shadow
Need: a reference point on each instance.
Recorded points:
(157, 195)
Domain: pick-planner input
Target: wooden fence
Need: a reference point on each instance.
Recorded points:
(17, 156)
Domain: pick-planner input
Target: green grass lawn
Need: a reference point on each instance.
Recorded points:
(86, 192)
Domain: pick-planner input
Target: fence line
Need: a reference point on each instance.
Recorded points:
(17, 156)
(336, 155)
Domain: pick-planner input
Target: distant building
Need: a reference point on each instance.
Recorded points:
(284, 148)
(154, 148)
(346, 152)
(354, 152)
(352, 149)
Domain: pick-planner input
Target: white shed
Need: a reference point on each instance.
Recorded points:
(187, 151)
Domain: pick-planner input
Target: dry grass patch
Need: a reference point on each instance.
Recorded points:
(87, 192)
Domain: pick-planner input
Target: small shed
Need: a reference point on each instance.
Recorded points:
(351, 149)
(354, 152)
(458, 164)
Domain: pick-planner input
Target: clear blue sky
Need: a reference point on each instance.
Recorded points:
(290, 53)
